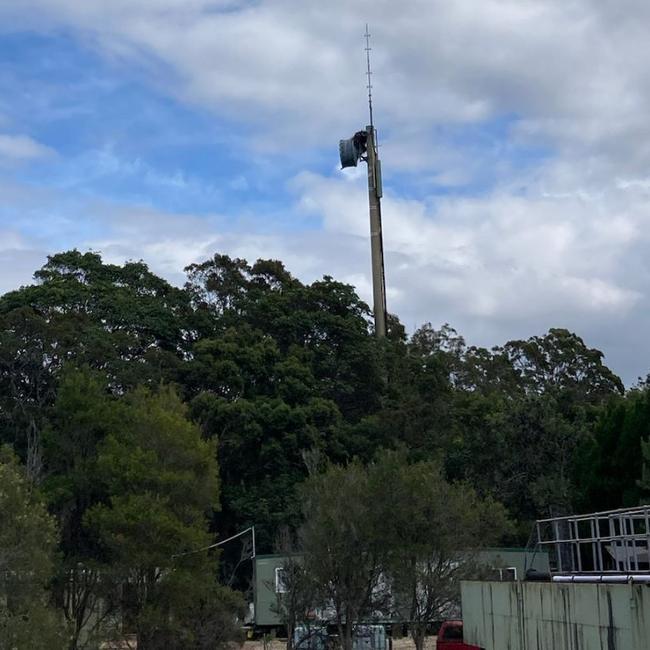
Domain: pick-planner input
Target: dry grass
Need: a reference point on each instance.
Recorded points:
(406, 643)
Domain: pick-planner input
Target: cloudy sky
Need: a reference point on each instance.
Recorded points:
(515, 141)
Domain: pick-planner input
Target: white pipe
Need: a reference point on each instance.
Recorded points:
(603, 578)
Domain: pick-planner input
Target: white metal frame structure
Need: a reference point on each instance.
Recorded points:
(608, 544)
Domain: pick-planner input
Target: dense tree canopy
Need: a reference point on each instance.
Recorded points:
(109, 375)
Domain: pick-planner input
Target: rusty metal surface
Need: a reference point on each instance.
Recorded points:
(550, 616)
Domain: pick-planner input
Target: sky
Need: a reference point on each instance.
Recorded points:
(514, 137)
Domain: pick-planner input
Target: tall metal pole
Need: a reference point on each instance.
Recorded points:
(376, 239)
(374, 202)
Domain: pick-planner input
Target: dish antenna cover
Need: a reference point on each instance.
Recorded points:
(352, 149)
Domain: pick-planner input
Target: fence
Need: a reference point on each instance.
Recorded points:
(600, 543)
(554, 616)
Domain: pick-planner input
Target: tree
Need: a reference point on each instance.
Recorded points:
(343, 549)
(560, 361)
(276, 372)
(302, 357)
(27, 546)
(416, 409)
(133, 485)
(81, 417)
(431, 531)
(644, 481)
(122, 320)
(285, 369)
(393, 538)
(298, 598)
(521, 415)
(610, 463)
(161, 482)
(106, 316)
(29, 362)
(263, 408)
(326, 319)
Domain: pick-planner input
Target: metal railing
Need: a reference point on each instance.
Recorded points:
(610, 542)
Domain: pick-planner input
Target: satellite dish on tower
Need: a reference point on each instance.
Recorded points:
(353, 149)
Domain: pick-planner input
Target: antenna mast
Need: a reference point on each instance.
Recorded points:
(374, 204)
(369, 73)
(363, 146)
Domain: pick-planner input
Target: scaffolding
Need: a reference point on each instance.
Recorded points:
(605, 545)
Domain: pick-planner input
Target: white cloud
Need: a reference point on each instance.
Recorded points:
(19, 258)
(459, 87)
(21, 148)
(499, 255)
(11, 240)
(496, 267)
(573, 72)
(506, 266)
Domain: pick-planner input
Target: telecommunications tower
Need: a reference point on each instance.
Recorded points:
(363, 146)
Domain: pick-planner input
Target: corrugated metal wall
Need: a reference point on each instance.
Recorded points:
(551, 616)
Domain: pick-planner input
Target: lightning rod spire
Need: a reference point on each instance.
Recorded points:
(369, 73)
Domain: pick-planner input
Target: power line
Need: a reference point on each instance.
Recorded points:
(221, 543)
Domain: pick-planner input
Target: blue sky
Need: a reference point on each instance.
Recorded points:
(116, 136)
(513, 147)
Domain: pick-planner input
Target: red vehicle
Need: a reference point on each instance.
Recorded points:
(450, 637)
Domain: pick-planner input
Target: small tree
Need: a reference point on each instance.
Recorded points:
(298, 598)
(432, 531)
(27, 543)
(344, 552)
(393, 537)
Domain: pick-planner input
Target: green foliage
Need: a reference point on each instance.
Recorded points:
(161, 482)
(518, 416)
(78, 422)
(122, 320)
(161, 478)
(644, 482)
(342, 545)
(105, 315)
(27, 546)
(287, 370)
(430, 531)
(274, 379)
(609, 465)
(264, 409)
(325, 319)
(134, 485)
(392, 537)
(560, 362)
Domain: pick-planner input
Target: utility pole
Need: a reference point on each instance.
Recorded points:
(376, 238)
(351, 151)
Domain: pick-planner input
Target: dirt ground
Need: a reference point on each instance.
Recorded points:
(398, 644)
(278, 644)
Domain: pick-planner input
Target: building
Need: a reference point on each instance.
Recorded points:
(504, 563)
